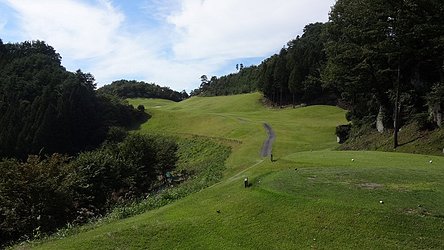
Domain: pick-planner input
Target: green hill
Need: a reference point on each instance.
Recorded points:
(311, 197)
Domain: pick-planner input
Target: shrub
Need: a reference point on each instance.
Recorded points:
(34, 196)
(141, 108)
(116, 135)
(343, 132)
(43, 194)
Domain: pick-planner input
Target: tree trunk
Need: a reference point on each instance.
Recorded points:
(274, 97)
(437, 114)
(380, 120)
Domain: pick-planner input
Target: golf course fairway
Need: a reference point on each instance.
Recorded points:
(310, 197)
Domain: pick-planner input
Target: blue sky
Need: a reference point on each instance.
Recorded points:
(169, 42)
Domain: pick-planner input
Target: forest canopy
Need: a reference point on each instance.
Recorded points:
(135, 89)
(47, 109)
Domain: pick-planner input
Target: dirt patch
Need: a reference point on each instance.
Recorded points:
(417, 211)
(370, 185)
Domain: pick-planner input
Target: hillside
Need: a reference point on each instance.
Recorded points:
(380, 60)
(310, 197)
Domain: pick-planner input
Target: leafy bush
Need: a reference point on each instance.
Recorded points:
(201, 159)
(116, 135)
(34, 196)
(120, 172)
(424, 121)
(43, 194)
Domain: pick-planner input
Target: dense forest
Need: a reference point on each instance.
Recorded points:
(386, 60)
(242, 82)
(381, 60)
(134, 89)
(46, 109)
(65, 155)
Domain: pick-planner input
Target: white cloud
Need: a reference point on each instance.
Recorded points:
(76, 29)
(96, 38)
(247, 28)
(133, 60)
(186, 38)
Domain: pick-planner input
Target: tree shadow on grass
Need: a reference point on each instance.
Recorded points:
(412, 140)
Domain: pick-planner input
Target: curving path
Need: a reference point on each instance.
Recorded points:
(266, 151)
(266, 148)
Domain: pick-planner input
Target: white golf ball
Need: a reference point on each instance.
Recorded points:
(353, 159)
(382, 202)
(430, 161)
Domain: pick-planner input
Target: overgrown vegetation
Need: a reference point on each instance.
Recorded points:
(41, 194)
(201, 162)
(412, 139)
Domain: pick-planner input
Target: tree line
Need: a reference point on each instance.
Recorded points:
(65, 154)
(290, 77)
(46, 109)
(381, 60)
(237, 83)
(136, 89)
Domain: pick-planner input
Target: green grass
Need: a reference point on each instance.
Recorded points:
(311, 197)
(240, 119)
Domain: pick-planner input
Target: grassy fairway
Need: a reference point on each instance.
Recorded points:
(311, 197)
(240, 119)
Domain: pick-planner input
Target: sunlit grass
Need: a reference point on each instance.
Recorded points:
(311, 197)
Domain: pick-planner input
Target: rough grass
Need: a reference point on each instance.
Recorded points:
(311, 197)
(411, 140)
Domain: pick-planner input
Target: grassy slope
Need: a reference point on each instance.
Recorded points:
(411, 140)
(328, 202)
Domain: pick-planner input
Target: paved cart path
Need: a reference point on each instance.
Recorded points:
(266, 148)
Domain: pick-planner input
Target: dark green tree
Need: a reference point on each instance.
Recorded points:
(46, 109)
(384, 56)
(135, 89)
